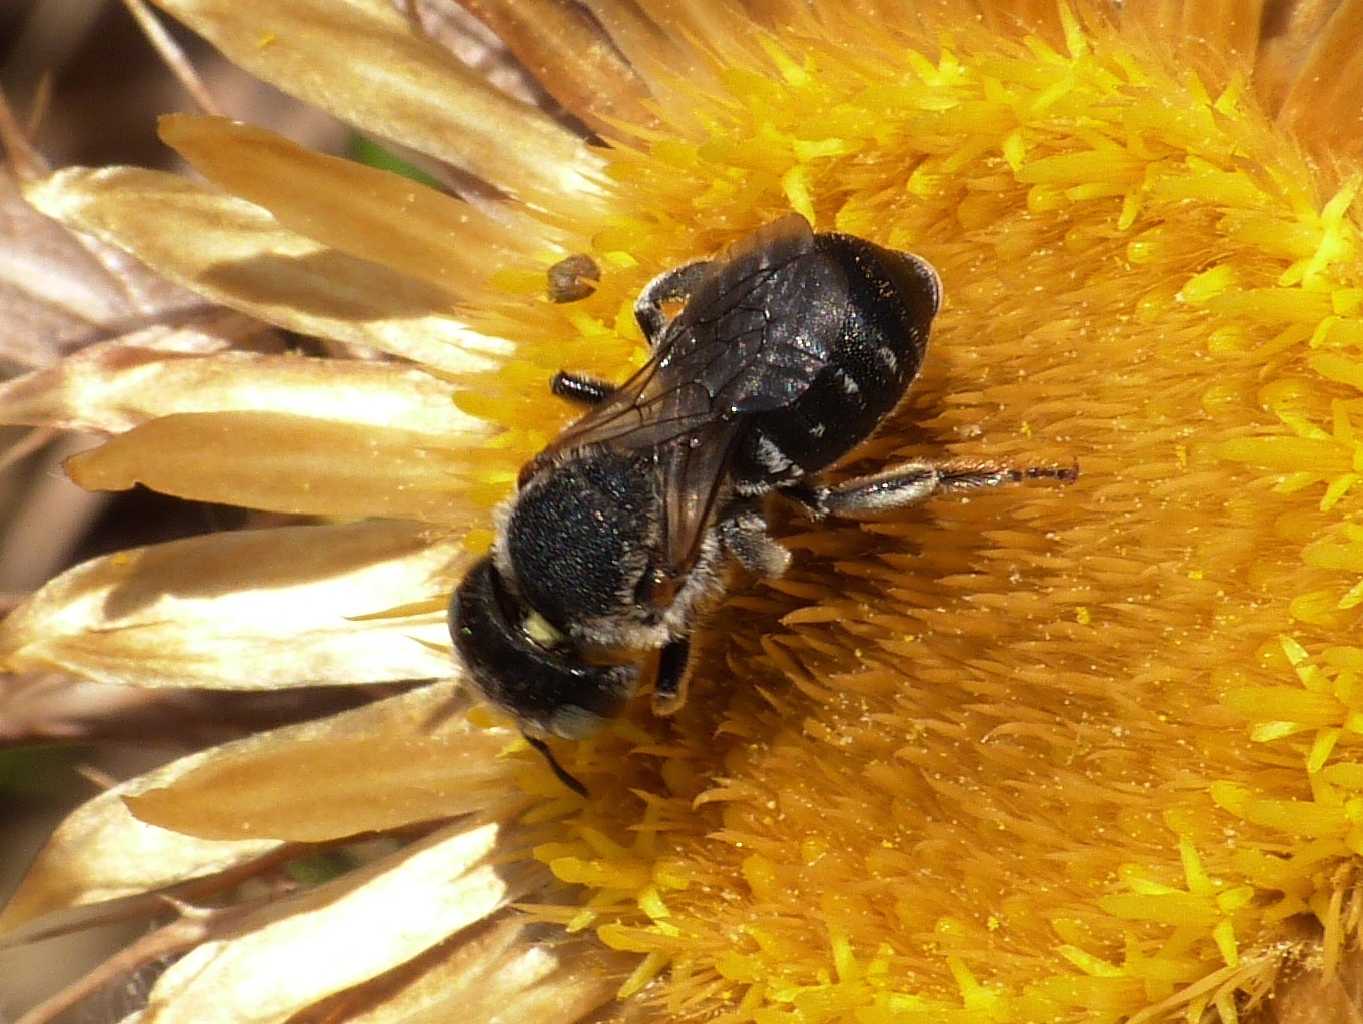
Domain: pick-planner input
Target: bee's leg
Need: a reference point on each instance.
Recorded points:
(580, 389)
(677, 283)
(884, 495)
(669, 686)
(743, 532)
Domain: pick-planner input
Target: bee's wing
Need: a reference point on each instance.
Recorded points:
(752, 337)
(758, 328)
(693, 447)
(647, 410)
(692, 474)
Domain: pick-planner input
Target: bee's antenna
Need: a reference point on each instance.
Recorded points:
(559, 771)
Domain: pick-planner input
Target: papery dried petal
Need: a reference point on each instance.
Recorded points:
(1289, 32)
(473, 43)
(58, 290)
(527, 984)
(259, 609)
(573, 58)
(1324, 105)
(1158, 17)
(360, 60)
(498, 972)
(117, 386)
(326, 936)
(235, 253)
(1218, 37)
(373, 214)
(659, 59)
(1227, 29)
(1009, 16)
(388, 764)
(101, 852)
(720, 28)
(285, 464)
(59, 709)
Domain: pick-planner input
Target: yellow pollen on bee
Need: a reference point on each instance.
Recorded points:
(541, 630)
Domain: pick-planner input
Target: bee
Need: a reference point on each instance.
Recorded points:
(787, 351)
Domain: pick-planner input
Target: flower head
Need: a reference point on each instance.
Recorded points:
(1042, 755)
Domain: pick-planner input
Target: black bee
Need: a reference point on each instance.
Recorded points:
(790, 349)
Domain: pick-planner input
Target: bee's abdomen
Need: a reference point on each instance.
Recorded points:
(875, 356)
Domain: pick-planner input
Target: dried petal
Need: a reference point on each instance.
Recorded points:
(58, 290)
(285, 464)
(528, 983)
(258, 609)
(360, 60)
(116, 386)
(659, 59)
(58, 709)
(317, 781)
(360, 210)
(1289, 32)
(1226, 30)
(235, 253)
(1322, 107)
(575, 60)
(499, 973)
(326, 936)
(473, 43)
(717, 28)
(101, 852)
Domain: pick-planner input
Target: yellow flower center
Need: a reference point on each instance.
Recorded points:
(1046, 753)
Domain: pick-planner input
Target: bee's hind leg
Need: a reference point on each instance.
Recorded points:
(669, 286)
(743, 532)
(884, 495)
(582, 390)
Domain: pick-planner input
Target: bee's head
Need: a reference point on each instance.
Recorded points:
(551, 690)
